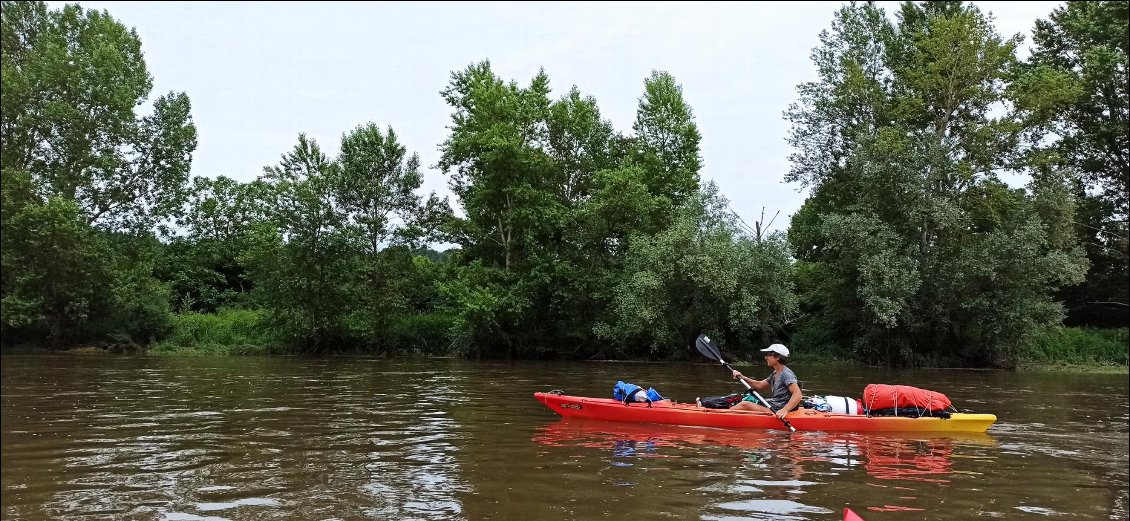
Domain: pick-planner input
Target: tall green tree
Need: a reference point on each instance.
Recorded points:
(375, 188)
(667, 145)
(332, 264)
(55, 301)
(66, 282)
(1073, 96)
(203, 264)
(496, 163)
(305, 264)
(703, 273)
(72, 79)
(1083, 48)
(920, 252)
(85, 178)
(552, 196)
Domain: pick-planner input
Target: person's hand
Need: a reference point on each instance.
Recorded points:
(737, 374)
(782, 413)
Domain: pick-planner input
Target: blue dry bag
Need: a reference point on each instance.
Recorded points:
(626, 393)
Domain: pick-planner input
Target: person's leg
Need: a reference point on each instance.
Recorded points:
(750, 406)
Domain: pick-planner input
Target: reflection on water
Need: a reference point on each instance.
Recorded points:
(900, 457)
(779, 471)
(217, 444)
(286, 438)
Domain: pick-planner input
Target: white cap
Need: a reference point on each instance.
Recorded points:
(777, 348)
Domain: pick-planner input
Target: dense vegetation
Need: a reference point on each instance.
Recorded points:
(575, 239)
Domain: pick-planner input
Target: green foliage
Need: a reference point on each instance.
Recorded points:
(1076, 87)
(229, 331)
(666, 146)
(552, 199)
(307, 265)
(576, 240)
(702, 274)
(203, 266)
(398, 288)
(496, 164)
(1074, 98)
(1074, 345)
(375, 187)
(424, 333)
(138, 311)
(66, 282)
(1102, 299)
(330, 262)
(71, 81)
(59, 271)
(915, 252)
(85, 179)
(520, 164)
(487, 306)
(820, 342)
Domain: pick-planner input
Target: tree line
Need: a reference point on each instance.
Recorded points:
(573, 238)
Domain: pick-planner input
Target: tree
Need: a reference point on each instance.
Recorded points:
(374, 188)
(71, 80)
(306, 261)
(921, 253)
(703, 274)
(1084, 48)
(552, 196)
(86, 284)
(84, 177)
(667, 145)
(203, 264)
(1073, 96)
(497, 161)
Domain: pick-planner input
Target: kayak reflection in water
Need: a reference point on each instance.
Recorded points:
(782, 382)
(913, 457)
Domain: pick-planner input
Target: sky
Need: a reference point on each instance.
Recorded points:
(260, 73)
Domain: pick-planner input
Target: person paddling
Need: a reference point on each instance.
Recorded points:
(782, 383)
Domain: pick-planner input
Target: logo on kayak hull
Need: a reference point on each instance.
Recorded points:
(576, 406)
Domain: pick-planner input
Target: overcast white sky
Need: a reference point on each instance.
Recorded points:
(260, 73)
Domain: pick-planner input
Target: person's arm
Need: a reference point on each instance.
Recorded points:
(794, 400)
(756, 385)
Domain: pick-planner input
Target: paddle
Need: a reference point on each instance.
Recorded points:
(709, 350)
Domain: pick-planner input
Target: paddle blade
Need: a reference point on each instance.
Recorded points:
(707, 348)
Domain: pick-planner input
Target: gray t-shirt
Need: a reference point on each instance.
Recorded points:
(779, 387)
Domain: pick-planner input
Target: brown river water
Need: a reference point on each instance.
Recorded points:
(213, 438)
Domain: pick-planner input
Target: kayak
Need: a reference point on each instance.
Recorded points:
(671, 413)
(883, 451)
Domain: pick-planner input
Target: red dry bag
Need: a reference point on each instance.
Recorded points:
(883, 396)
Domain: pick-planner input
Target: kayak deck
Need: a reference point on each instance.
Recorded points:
(803, 419)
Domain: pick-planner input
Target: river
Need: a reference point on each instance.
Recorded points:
(246, 438)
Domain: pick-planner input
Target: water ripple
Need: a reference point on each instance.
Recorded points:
(286, 438)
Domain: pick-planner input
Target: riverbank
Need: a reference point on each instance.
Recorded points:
(1028, 366)
(239, 332)
(1057, 346)
(1055, 350)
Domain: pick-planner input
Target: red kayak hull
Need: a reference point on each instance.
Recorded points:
(804, 419)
